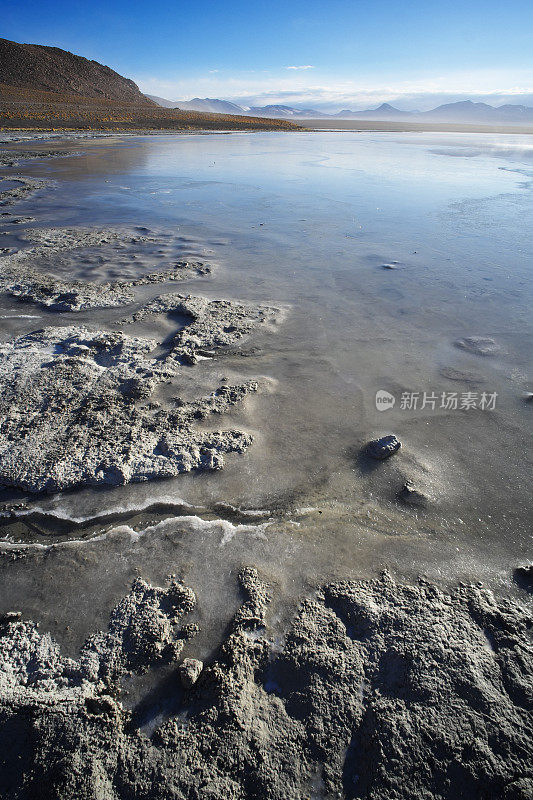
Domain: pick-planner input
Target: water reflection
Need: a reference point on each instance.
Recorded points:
(308, 221)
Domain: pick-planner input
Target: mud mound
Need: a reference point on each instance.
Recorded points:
(212, 323)
(381, 690)
(20, 277)
(12, 158)
(25, 188)
(76, 408)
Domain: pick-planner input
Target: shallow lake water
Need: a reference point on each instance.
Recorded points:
(384, 250)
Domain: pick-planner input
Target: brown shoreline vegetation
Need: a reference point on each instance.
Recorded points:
(45, 87)
(22, 108)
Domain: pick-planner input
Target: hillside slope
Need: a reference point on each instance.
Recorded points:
(28, 109)
(45, 87)
(40, 68)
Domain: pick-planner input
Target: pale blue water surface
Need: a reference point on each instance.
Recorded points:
(306, 222)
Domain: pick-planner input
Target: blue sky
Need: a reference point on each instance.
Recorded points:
(333, 55)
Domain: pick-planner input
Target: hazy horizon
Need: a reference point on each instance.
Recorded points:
(402, 102)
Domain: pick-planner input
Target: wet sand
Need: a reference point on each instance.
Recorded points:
(318, 301)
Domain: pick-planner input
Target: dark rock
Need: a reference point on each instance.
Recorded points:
(384, 447)
(479, 345)
(100, 705)
(523, 575)
(189, 671)
(10, 616)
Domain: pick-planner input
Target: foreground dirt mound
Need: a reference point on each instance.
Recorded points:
(380, 691)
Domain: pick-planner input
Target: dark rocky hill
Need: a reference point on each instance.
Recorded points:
(41, 68)
(45, 87)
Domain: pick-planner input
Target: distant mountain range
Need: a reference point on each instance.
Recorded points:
(464, 111)
(210, 106)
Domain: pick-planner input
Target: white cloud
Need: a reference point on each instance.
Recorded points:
(304, 66)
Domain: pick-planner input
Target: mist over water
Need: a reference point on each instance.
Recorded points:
(384, 250)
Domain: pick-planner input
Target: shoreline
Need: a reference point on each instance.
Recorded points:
(412, 127)
(299, 126)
